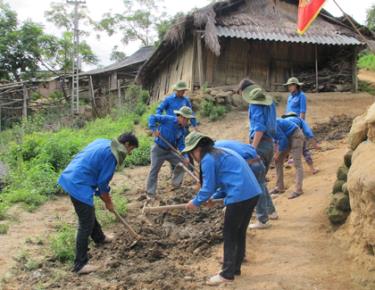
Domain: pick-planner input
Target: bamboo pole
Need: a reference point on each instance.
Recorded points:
(316, 69)
(166, 208)
(24, 107)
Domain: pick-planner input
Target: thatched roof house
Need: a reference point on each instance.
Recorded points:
(220, 44)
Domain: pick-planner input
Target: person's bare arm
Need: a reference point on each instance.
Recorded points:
(302, 116)
(257, 138)
(106, 198)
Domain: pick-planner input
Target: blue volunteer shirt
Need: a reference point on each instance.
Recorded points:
(296, 103)
(285, 129)
(89, 172)
(246, 151)
(170, 129)
(226, 175)
(263, 119)
(172, 103)
(302, 124)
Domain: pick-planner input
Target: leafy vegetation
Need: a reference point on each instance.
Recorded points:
(366, 87)
(62, 243)
(211, 110)
(367, 61)
(4, 229)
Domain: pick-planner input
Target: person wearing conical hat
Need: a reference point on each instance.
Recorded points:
(225, 174)
(176, 101)
(262, 124)
(89, 174)
(172, 130)
(297, 99)
(307, 131)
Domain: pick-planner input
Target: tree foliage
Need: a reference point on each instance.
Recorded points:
(138, 22)
(117, 55)
(370, 19)
(22, 46)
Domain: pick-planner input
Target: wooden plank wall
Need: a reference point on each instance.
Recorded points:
(178, 67)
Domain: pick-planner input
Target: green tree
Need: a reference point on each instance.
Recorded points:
(138, 21)
(117, 55)
(164, 25)
(22, 46)
(370, 19)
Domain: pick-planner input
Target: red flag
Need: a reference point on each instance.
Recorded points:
(308, 10)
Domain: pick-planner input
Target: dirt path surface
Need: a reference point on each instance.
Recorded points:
(367, 76)
(298, 252)
(28, 225)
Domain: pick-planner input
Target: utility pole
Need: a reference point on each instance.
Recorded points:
(76, 57)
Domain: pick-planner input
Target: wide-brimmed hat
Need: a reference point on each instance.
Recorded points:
(180, 86)
(120, 152)
(293, 81)
(185, 111)
(290, 114)
(192, 140)
(256, 95)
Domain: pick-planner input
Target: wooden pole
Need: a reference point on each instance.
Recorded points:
(119, 92)
(316, 69)
(0, 118)
(24, 106)
(355, 71)
(92, 94)
(200, 61)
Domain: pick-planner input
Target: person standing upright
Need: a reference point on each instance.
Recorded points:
(297, 99)
(262, 117)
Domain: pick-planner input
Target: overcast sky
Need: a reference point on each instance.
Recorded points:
(34, 10)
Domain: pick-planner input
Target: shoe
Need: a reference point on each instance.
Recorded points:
(217, 280)
(108, 239)
(259, 225)
(276, 191)
(87, 269)
(273, 216)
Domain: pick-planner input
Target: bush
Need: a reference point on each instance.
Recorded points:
(367, 61)
(3, 229)
(63, 243)
(212, 111)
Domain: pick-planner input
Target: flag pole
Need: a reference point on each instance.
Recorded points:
(354, 26)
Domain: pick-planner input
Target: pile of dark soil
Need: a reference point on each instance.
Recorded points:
(163, 259)
(336, 128)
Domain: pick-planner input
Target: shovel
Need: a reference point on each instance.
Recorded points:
(166, 208)
(131, 231)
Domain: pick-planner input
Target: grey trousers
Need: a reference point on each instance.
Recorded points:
(296, 149)
(158, 157)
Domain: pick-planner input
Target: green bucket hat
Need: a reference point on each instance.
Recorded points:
(180, 86)
(257, 96)
(192, 140)
(293, 81)
(120, 152)
(185, 111)
(290, 114)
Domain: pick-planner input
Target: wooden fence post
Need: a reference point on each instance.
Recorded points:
(24, 106)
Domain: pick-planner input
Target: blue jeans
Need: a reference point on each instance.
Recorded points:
(265, 204)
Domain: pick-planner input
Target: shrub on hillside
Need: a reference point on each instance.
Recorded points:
(367, 61)
(211, 110)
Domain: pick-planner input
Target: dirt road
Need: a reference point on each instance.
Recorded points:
(367, 76)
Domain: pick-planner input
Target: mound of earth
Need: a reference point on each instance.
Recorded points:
(171, 244)
(336, 128)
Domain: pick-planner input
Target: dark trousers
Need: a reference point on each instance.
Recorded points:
(236, 221)
(87, 226)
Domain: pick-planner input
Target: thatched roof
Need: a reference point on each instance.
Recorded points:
(268, 20)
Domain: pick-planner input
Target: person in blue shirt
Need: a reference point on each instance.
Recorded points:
(176, 101)
(89, 174)
(225, 174)
(248, 152)
(307, 131)
(172, 130)
(262, 125)
(296, 100)
(289, 139)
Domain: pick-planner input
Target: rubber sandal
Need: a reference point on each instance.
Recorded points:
(294, 195)
(276, 191)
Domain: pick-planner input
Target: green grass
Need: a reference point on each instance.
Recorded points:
(366, 87)
(213, 111)
(367, 61)
(4, 229)
(62, 243)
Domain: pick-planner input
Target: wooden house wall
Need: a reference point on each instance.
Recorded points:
(178, 67)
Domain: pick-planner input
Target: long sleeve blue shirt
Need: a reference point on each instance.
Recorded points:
(263, 119)
(89, 172)
(246, 151)
(170, 130)
(172, 103)
(296, 103)
(285, 129)
(226, 175)
(302, 124)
